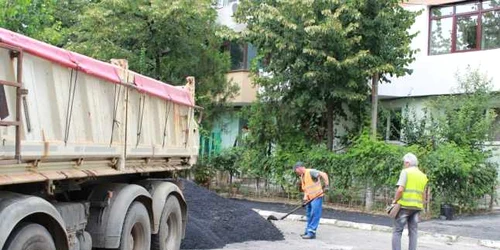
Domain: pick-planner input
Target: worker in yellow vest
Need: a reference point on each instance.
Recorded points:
(411, 195)
(313, 191)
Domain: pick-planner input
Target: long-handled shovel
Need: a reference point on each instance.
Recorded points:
(272, 217)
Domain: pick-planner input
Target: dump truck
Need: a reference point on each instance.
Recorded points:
(90, 151)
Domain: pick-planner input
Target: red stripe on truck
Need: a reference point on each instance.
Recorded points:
(94, 67)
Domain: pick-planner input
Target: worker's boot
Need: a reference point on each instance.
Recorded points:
(309, 237)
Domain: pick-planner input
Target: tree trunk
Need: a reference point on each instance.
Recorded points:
(492, 199)
(257, 185)
(329, 125)
(158, 66)
(388, 127)
(375, 79)
(369, 197)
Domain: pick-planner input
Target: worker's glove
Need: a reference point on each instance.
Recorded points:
(326, 189)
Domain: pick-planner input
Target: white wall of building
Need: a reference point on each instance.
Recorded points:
(436, 74)
(225, 10)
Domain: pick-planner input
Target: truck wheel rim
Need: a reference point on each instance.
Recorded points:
(136, 239)
(172, 225)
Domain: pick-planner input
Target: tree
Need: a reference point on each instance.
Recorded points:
(385, 33)
(66, 17)
(166, 40)
(46, 20)
(466, 118)
(456, 129)
(34, 18)
(314, 64)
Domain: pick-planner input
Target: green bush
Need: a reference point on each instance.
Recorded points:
(228, 160)
(203, 172)
(455, 129)
(448, 138)
(366, 160)
(459, 175)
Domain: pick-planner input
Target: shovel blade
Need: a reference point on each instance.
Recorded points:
(271, 217)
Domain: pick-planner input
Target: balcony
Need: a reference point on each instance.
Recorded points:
(247, 92)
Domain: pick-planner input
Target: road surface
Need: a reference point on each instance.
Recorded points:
(337, 238)
(484, 226)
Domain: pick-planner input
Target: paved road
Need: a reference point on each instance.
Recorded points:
(480, 227)
(327, 213)
(336, 238)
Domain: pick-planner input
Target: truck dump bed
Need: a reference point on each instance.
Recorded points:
(79, 117)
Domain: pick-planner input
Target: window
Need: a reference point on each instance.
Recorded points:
(496, 125)
(241, 55)
(395, 125)
(238, 55)
(441, 36)
(392, 127)
(469, 26)
(251, 54)
(491, 30)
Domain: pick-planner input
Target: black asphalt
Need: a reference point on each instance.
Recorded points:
(486, 226)
(214, 221)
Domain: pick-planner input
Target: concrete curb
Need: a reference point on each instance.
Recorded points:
(370, 227)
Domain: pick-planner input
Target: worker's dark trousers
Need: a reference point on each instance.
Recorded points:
(405, 216)
(313, 214)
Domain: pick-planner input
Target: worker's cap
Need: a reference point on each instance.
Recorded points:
(297, 165)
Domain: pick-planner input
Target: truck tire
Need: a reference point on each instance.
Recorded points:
(136, 233)
(85, 241)
(30, 236)
(170, 233)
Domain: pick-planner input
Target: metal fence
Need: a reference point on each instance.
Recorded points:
(354, 197)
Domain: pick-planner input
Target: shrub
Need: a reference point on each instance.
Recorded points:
(459, 175)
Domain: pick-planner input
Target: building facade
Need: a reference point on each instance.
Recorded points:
(230, 126)
(452, 37)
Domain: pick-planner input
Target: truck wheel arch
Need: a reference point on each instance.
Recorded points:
(109, 205)
(16, 208)
(160, 190)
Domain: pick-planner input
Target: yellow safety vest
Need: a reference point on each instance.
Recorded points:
(413, 196)
(311, 188)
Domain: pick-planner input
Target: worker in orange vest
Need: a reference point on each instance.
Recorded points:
(314, 192)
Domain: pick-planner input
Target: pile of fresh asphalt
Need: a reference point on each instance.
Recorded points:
(214, 221)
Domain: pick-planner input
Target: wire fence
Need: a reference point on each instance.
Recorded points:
(353, 198)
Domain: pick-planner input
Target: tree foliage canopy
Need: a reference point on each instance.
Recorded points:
(314, 61)
(385, 31)
(166, 40)
(322, 54)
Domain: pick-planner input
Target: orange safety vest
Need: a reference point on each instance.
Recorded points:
(312, 189)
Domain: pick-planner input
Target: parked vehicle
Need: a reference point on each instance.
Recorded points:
(89, 152)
